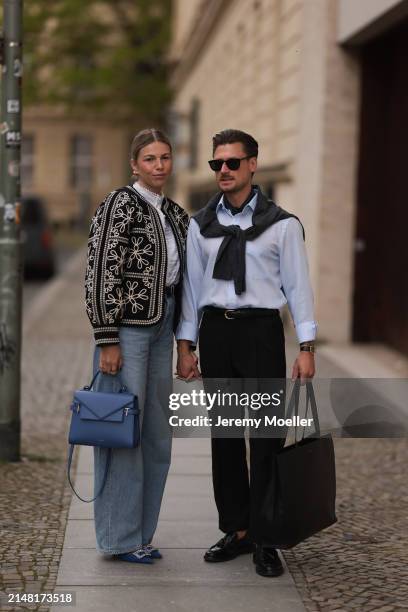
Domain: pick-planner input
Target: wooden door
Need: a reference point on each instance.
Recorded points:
(381, 256)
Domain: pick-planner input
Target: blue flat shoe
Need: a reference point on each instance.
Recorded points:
(138, 556)
(152, 551)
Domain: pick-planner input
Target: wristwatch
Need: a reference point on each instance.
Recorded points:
(307, 347)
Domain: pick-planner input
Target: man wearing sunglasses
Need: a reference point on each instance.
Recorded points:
(245, 258)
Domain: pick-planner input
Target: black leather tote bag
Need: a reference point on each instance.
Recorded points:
(301, 494)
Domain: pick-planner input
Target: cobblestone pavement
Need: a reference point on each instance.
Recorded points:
(361, 563)
(34, 496)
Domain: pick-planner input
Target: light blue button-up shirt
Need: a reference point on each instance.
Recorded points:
(276, 273)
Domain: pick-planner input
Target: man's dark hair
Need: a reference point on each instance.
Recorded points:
(230, 136)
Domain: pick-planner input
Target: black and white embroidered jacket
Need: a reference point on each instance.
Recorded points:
(127, 262)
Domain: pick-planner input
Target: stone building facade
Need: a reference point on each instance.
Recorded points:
(72, 163)
(293, 73)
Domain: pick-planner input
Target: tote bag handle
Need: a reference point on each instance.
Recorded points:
(293, 407)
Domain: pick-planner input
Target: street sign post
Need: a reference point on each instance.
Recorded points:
(10, 240)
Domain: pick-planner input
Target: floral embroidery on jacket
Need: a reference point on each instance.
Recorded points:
(126, 262)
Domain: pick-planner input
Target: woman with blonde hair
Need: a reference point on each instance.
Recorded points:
(134, 272)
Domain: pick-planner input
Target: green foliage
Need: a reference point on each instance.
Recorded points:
(98, 56)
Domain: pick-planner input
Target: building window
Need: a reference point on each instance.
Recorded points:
(269, 190)
(81, 162)
(194, 133)
(199, 198)
(27, 162)
(178, 128)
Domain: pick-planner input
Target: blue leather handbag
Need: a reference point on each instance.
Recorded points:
(109, 420)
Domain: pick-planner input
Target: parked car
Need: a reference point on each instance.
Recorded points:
(38, 251)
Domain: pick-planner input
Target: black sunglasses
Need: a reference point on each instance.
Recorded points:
(233, 163)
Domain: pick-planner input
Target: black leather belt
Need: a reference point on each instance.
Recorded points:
(241, 313)
(170, 290)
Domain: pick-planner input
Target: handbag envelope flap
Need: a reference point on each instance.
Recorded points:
(98, 406)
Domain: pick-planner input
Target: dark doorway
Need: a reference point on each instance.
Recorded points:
(381, 262)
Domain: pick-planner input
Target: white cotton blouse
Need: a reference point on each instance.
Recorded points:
(173, 260)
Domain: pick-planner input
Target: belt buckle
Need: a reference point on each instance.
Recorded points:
(226, 314)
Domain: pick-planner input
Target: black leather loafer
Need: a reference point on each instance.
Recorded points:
(228, 548)
(267, 562)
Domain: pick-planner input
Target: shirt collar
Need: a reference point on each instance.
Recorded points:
(251, 204)
(155, 199)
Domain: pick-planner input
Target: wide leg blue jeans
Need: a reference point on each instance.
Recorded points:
(127, 511)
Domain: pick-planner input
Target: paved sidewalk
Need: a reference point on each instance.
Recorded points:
(181, 580)
(361, 563)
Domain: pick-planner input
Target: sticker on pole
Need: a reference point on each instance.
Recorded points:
(18, 68)
(13, 106)
(13, 139)
(9, 213)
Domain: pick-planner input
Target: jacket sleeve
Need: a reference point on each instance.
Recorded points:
(106, 259)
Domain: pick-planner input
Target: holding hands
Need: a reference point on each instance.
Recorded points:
(187, 361)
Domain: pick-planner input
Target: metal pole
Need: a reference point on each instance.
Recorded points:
(10, 241)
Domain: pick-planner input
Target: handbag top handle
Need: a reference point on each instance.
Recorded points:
(123, 388)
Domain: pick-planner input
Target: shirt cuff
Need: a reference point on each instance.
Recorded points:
(106, 335)
(187, 331)
(306, 331)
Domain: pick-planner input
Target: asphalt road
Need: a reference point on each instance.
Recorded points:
(32, 287)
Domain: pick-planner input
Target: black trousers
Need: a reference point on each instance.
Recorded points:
(250, 348)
